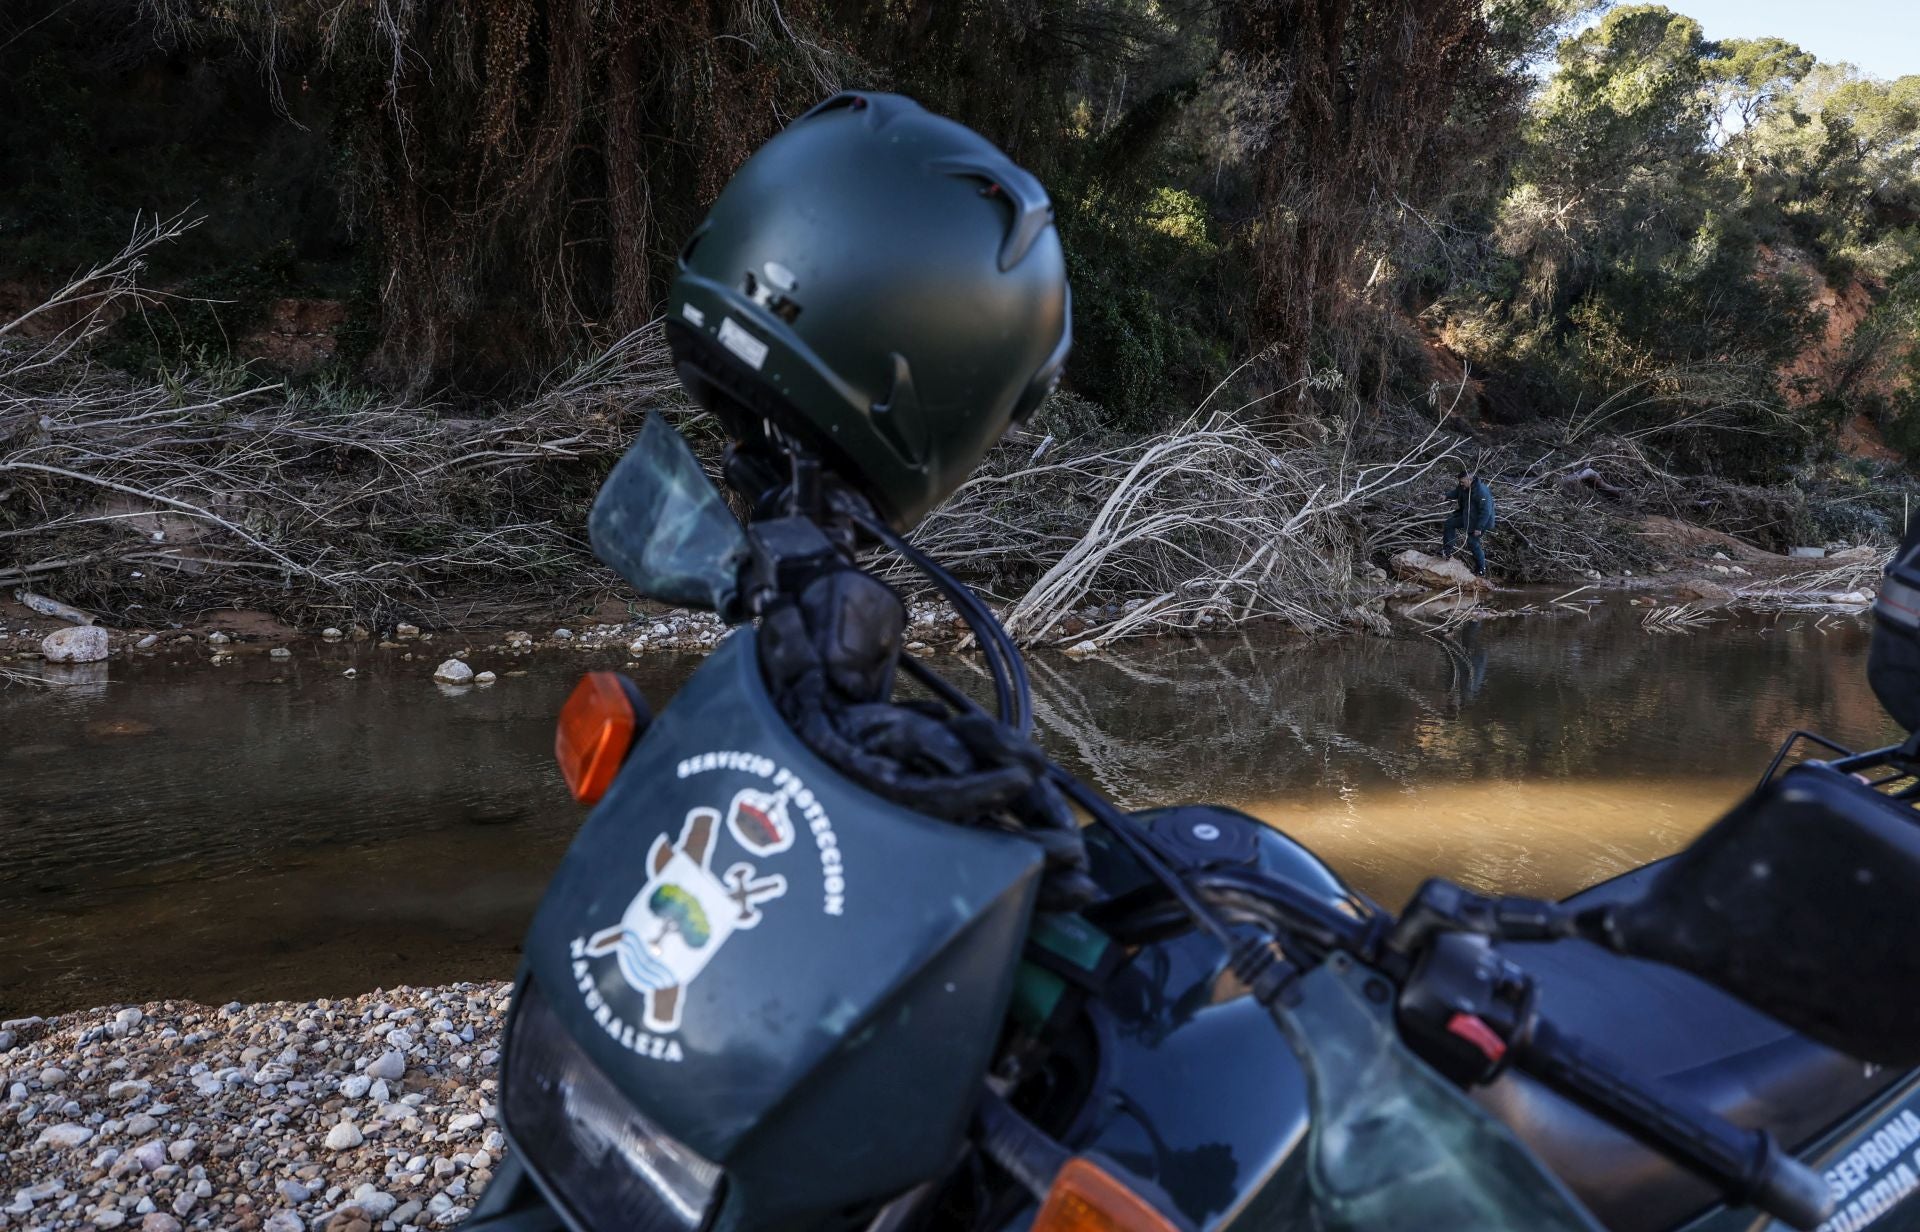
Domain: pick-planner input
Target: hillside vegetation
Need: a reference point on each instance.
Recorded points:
(1630, 270)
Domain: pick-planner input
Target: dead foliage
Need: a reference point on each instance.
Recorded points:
(312, 502)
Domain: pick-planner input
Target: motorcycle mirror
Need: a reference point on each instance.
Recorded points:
(664, 527)
(1800, 901)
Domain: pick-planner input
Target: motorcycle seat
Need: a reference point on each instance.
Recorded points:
(1700, 1041)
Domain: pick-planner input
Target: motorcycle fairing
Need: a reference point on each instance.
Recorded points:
(775, 966)
(1236, 1144)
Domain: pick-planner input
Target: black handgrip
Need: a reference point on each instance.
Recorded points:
(1749, 1165)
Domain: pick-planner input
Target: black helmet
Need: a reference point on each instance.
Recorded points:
(885, 288)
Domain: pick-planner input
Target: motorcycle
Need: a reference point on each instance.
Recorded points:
(761, 992)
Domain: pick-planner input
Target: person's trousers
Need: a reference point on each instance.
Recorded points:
(1474, 541)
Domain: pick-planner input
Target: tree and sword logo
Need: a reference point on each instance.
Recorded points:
(686, 912)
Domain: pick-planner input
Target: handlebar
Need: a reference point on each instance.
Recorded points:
(1749, 1165)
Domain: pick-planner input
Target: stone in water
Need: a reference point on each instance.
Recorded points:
(453, 671)
(80, 644)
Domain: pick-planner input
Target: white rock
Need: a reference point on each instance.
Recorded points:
(283, 1221)
(464, 1122)
(279, 652)
(150, 1155)
(453, 671)
(485, 678)
(217, 638)
(79, 644)
(34, 1193)
(108, 1218)
(405, 1213)
(390, 1065)
(64, 1137)
(294, 1191)
(406, 631)
(150, 640)
(1857, 596)
(374, 1202)
(181, 1151)
(379, 1092)
(563, 635)
(159, 1222)
(1080, 650)
(350, 673)
(356, 1086)
(128, 1089)
(139, 1125)
(1436, 572)
(344, 1137)
(331, 634)
(184, 1203)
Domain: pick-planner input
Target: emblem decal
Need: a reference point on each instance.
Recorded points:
(686, 911)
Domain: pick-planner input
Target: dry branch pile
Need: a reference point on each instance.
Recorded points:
(1676, 618)
(1212, 522)
(214, 490)
(317, 502)
(1852, 582)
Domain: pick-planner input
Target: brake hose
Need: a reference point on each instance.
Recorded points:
(1013, 693)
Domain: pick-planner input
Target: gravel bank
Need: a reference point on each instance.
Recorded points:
(332, 1115)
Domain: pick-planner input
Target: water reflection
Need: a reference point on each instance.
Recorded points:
(274, 829)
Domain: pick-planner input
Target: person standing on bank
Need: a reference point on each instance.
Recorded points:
(1472, 513)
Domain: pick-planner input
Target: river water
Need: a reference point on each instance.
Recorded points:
(275, 829)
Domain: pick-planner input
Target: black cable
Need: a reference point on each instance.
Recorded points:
(1141, 843)
(1013, 693)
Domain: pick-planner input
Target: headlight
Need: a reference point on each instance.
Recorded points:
(609, 1165)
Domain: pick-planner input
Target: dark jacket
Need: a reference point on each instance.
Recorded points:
(1473, 506)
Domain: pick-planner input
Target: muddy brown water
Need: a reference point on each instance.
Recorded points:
(274, 829)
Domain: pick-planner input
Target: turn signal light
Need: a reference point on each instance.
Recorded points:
(1086, 1198)
(598, 726)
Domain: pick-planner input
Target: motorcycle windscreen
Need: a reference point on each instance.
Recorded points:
(792, 978)
(663, 526)
(1800, 901)
(1391, 1145)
